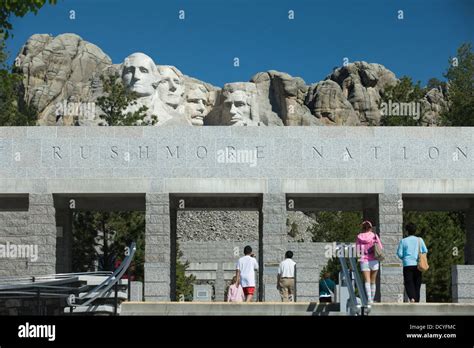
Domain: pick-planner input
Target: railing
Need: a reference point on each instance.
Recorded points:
(112, 280)
(60, 285)
(13, 282)
(348, 263)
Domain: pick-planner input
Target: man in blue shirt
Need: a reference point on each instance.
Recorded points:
(408, 250)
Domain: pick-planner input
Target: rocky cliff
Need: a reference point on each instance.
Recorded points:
(65, 71)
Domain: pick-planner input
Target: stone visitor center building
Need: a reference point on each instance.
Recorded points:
(47, 172)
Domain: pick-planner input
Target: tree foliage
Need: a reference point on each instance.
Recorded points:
(18, 8)
(13, 110)
(101, 237)
(405, 91)
(435, 83)
(460, 75)
(335, 227)
(184, 284)
(444, 236)
(115, 102)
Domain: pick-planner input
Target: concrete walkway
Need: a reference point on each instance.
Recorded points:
(292, 309)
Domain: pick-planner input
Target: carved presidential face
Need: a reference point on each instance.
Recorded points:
(237, 108)
(139, 74)
(170, 87)
(196, 106)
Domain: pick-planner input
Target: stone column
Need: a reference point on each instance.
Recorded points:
(220, 282)
(41, 229)
(157, 248)
(13, 226)
(273, 241)
(469, 246)
(391, 232)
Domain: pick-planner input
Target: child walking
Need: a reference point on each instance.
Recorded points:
(236, 292)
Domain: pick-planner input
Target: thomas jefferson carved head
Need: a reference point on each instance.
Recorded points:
(171, 85)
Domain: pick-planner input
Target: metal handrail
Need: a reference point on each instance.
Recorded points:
(113, 279)
(364, 307)
(358, 280)
(348, 278)
(35, 279)
(53, 282)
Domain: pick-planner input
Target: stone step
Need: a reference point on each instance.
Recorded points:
(293, 309)
(226, 308)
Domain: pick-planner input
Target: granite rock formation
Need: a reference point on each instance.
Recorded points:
(61, 79)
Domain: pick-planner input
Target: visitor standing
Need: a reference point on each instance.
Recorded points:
(369, 265)
(286, 278)
(408, 251)
(245, 272)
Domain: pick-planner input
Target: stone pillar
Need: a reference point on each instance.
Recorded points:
(41, 230)
(157, 248)
(469, 246)
(273, 241)
(220, 282)
(391, 232)
(13, 226)
(462, 280)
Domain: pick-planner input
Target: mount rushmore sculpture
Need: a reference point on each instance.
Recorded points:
(63, 73)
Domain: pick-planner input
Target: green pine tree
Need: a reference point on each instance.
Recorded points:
(443, 233)
(184, 284)
(460, 75)
(18, 8)
(405, 91)
(335, 227)
(115, 102)
(13, 110)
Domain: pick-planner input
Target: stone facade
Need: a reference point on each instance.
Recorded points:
(157, 248)
(391, 232)
(30, 238)
(390, 165)
(463, 283)
(214, 263)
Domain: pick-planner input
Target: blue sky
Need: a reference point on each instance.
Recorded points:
(260, 34)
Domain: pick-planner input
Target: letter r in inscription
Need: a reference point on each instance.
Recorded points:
(56, 154)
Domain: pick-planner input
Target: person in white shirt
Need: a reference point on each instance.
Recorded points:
(245, 272)
(286, 277)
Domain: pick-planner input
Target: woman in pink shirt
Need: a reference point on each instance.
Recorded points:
(369, 265)
(236, 292)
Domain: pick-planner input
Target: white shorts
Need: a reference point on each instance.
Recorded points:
(369, 266)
